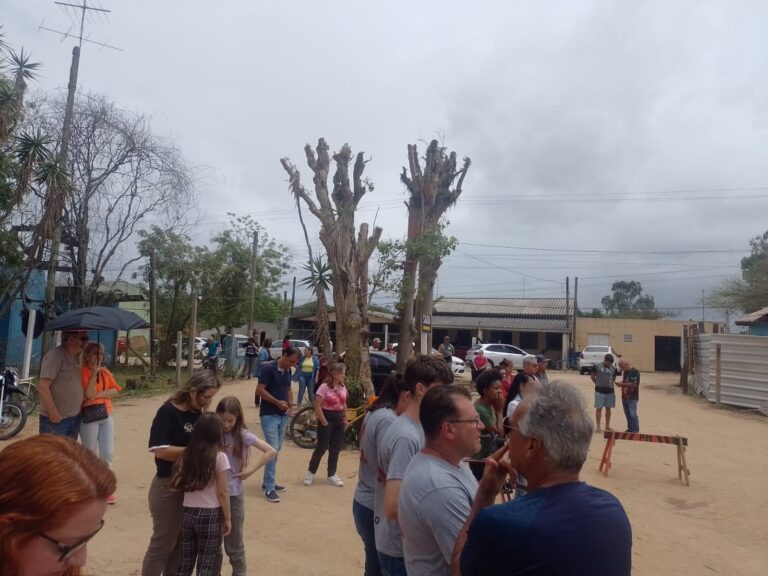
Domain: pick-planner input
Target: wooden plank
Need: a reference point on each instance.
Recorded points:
(637, 437)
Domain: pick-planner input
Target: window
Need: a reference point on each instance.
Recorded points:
(603, 349)
(529, 340)
(554, 341)
(496, 348)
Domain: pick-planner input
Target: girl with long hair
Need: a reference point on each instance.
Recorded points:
(331, 411)
(53, 496)
(201, 473)
(237, 443)
(170, 433)
(97, 428)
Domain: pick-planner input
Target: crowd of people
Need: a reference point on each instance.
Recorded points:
(433, 463)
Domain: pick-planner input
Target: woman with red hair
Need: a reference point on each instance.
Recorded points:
(53, 496)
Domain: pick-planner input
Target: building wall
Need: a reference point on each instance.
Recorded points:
(632, 338)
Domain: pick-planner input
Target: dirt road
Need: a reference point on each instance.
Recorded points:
(718, 525)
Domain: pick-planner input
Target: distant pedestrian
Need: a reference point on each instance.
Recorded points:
(375, 345)
(447, 350)
(507, 368)
(630, 394)
(287, 342)
(604, 376)
(263, 357)
(542, 363)
(306, 374)
(251, 355)
(479, 363)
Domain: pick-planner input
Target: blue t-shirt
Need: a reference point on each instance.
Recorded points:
(566, 530)
(213, 348)
(278, 383)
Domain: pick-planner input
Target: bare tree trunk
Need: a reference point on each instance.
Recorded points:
(430, 196)
(347, 255)
(407, 294)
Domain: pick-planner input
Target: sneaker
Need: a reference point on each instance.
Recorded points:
(272, 496)
(278, 488)
(308, 479)
(111, 499)
(335, 481)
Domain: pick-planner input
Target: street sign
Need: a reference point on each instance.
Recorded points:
(426, 323)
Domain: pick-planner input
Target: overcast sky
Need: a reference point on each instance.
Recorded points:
(603, 135)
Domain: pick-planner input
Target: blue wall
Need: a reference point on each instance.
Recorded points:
(12, 338)
(758, 330)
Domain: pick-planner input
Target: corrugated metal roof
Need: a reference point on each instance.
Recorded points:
(496, 323)
(755, 316)
(505, 307)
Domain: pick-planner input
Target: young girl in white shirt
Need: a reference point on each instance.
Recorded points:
(202, 476)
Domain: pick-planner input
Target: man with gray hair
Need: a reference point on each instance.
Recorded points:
(562, 526)
(530, 368)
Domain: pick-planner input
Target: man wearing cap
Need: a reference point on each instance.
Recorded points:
(60, 386)
(542, 362)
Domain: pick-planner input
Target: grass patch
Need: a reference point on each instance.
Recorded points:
(162, 384)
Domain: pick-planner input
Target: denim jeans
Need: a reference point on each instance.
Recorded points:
(98, 437)
(630, 411)
(364, 523)
(69, 427)
(392, 565)
(273, 427)
(306, 382)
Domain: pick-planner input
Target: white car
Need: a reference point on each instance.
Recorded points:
(594, 355)
(276, 350)
(498, 352)
(457, 364)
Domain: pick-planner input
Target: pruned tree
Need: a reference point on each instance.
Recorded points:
(432, 189)
(348, 249)
(122, 174)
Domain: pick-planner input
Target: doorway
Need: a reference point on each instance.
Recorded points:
(667, 354)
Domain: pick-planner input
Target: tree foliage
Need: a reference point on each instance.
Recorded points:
(628, 301)
(750, 292)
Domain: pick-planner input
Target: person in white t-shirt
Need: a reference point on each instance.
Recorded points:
(202, 476)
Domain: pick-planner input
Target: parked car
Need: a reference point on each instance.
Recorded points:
(457, 364)
(277, 347)
(496, 353)
(593, 355)
(382, 364)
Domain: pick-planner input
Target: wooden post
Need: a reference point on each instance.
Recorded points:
(718, 375)
(686, 359)
(179, 344)
(192, 332)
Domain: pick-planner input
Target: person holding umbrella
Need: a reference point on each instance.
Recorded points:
(60, 387)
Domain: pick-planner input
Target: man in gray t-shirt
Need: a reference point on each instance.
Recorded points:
(396, 449)
(60, 386)
(438, 488)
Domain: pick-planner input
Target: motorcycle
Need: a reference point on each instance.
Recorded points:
(13, 416)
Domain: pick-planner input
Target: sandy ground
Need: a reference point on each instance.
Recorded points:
(718, 525)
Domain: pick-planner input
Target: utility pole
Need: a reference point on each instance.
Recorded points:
(293, 295)
(62, 158)
(192, 331)
(575, 313)
(702, 305)
(254, 266)
(152, 314)
(567, 337)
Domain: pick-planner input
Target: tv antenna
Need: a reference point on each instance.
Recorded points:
(84, 9)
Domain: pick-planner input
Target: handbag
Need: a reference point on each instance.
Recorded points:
(94, 412)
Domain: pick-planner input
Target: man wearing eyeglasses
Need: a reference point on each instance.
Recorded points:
(60, 386)
(562, 526)
(438, 487)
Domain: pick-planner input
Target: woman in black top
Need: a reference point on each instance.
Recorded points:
(170, 433)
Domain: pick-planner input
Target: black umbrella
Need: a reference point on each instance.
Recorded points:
(97, 318)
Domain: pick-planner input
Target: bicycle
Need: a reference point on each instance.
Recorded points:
(302, 428)
(569, 363)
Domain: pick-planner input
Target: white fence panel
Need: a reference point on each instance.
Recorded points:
(743, 369)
